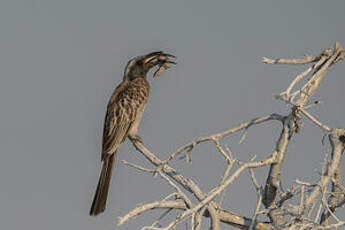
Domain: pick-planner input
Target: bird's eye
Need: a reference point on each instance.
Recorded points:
(140, 62)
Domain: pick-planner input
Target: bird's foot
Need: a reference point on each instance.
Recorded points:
(136, 138)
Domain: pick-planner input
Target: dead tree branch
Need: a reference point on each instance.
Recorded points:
(195, 204)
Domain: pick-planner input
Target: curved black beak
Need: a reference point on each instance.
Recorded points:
(160, 59)
(159, 56)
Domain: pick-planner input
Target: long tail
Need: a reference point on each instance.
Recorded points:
(100, 199)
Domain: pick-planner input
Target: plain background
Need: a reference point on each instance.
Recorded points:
(61, 60)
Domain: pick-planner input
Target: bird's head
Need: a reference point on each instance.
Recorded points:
(140, 66)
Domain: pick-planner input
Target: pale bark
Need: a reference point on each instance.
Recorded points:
(278, 205)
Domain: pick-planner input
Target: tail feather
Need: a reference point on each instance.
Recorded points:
(100, 199)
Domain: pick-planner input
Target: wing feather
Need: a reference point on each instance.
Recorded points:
(117, 121)
(124, 111)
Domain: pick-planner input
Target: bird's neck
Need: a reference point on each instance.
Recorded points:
(137, 77)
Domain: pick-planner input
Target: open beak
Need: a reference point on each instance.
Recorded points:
(159, 57)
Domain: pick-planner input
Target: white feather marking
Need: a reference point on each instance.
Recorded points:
(129, 66)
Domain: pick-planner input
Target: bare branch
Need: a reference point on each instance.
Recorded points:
(273, 179)
(255, 182)
(313, 119)
(245, 125)
(313, 84)
(294, 207)
(224, 216)
(138, 166)
(337, 198)
(149, 206)
(298, 61)
(198, 218)
(230, 161)
(188, 184)
(337, 150)
(257, 209)
(220, 188)
(178, 190)
(301, 76)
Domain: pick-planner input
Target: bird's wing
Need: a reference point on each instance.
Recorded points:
(118, 120)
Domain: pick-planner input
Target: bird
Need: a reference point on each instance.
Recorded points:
(124, 112)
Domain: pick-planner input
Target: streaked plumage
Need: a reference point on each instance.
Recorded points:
(124, 113)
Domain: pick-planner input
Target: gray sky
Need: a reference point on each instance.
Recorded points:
(61, 60)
